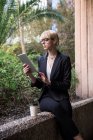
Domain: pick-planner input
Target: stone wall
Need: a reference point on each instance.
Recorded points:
(44, 126)
(83, 116)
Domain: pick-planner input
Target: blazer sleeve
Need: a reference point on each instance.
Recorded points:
(66, 82)
(39, 84)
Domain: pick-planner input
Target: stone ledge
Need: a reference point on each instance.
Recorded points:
(82, 102)
(44, 126)
(17, 126)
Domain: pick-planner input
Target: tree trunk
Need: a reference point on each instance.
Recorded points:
(21, 35)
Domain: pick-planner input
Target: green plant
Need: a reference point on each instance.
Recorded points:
(17, 15)
(14, 85)
(11, 76)
(74, 82)
(35, 96)
(66, 29)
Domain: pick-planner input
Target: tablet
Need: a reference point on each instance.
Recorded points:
(25, 60)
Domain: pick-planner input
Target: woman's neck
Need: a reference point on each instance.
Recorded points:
(52, 53)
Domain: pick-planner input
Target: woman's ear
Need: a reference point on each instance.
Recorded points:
(55, 42)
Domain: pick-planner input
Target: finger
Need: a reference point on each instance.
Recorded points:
(41, 74)
(24, 65)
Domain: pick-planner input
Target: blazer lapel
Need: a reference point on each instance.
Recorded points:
(55, 66)
(44, 64)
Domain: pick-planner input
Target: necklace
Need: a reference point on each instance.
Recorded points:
(50, 61)
(51, 57)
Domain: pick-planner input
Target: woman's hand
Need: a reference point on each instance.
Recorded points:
(28, 72)
(44, 79)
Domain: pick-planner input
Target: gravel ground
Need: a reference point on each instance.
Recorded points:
(8, 114)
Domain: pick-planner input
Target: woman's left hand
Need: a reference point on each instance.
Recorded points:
(44, 78)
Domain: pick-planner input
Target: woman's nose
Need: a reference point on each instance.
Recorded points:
(43, 42)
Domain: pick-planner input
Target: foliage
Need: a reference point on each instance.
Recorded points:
(9, 71)
(14, 86)
(66, 29)
(18, 15)
(13, 82)
(11, 49)
(6, 19)
(74, 82)
(40, 13)
(34, 29)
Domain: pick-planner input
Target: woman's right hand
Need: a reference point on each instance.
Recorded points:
(27, 69)
(28, 72)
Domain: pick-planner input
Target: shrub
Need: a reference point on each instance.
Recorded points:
(14, 85)
(74, 82)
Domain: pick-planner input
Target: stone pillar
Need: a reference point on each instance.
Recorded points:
(90, 46)
(84, 47)
(78, 45)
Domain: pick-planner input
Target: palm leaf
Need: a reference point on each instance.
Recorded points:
(5, 14)
(26, 13)
(41, 13)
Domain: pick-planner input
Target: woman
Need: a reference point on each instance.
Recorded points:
(54, 79)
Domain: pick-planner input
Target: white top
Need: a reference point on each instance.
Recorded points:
(50, 62)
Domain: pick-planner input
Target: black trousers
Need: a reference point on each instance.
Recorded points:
(63, 114)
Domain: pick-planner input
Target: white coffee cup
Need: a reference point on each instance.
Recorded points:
(33, 110)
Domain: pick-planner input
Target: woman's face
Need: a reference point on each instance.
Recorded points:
(47, 43)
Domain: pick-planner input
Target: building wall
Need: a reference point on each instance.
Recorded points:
(84, 47)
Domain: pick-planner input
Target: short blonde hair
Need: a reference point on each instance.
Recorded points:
(51, 35)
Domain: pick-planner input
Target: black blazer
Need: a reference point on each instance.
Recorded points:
(60, 77)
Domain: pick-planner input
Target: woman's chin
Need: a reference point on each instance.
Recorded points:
(45, 48)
